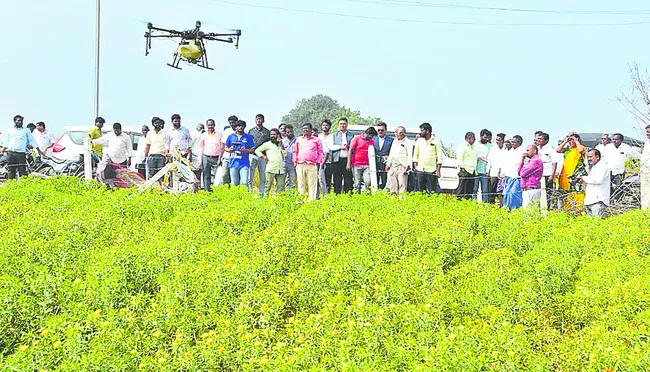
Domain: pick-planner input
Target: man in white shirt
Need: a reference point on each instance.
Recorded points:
(399, 162)
(119, 146)
(512, 197)
(225, 159)
(644, 172)
(44, 139)
(616, 153)
(549, 157)
(323, 173)
(140, 159)
(597, 185)
(604, 141)
(495, 160)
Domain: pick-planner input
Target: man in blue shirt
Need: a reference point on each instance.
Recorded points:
(15, 143)
(240, 145)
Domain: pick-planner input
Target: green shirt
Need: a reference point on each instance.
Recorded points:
(275, 154)
(94, 134)
(466, 156)
(482, 150)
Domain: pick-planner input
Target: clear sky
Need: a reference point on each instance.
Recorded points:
(512, 79)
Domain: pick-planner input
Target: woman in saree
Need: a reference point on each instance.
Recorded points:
(574, 153)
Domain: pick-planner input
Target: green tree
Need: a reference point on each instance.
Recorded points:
(319, 107)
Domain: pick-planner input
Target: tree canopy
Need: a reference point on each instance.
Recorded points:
(319, 107)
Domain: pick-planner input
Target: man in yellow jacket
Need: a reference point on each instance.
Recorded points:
(95, 133)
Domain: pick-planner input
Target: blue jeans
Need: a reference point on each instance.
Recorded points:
(239, 176)
(484, 180)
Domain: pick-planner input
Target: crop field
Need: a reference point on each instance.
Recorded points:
(96, 280)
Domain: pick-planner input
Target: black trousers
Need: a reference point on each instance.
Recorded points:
(329, 172)
(465, 184)
(16, 162)
(492, 189)
(382, 175)
(426, 182)
(342, 177)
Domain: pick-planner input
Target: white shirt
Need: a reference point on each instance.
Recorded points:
(139, 155)
(616, 157)
(549, 157)
(224, 136)
(597, 184)
(511, 162)
(495, 160)
(43, 140)
(344, 141)
(645, 157)
(118, 149)
(600, 147)
(381, 141)
(323, 140)
(401, 153)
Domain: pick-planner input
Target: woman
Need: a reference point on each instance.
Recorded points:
(574, 153)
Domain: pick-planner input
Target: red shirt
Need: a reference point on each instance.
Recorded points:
(360, 158)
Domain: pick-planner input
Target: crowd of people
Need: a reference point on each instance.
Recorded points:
(509, 172)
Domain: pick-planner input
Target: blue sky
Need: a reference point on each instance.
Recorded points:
(458, 77)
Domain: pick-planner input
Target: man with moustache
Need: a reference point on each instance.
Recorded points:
(272, 153)
(154, 151)
(15, 143)
(210, 152)
(178, 138)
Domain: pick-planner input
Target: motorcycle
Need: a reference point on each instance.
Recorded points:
(52, 166)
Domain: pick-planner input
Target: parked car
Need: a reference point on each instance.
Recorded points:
(70, 144)
(448, 180)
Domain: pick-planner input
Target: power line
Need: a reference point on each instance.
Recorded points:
(436, 22)
(413, 3)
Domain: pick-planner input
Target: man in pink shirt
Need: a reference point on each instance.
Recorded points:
(307, 157)
(531, 170)
(210, 151)
(359, 157)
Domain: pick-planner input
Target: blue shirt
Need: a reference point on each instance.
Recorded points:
(17, 139)
(288, 160)
(239, 159)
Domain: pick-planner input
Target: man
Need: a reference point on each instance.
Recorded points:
(382, 149)
(339, 147)
(16, 143)
(495, 160)
(307, 156)
(616, 153)
(399, 161)
(358, 161)
(512, 198)
(272, 153)
(44, 139)
(154, 151)
(482, 150)
(240, 145)
(550, 160)
(120, 148)
(644, 172)
(95, 133)
(427, 160)
(260, 135)
(210, 150)
(140, 158)
(604, 141)
(325, 172)
(196, 159)
(531, 170)
(178, 139)
(597, 185)
(467, 161)
(288, 142)
(225, 159)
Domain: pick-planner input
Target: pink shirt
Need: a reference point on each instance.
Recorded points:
(210, 144)
(361, 146)
(308, 150)
(531, 173)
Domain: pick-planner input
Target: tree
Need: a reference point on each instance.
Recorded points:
(637, 100)
(319, 107)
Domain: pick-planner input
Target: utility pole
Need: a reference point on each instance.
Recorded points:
(97, 29)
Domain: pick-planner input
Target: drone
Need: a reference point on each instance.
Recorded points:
(191, 47)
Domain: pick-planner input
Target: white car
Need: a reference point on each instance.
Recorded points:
(70, 144)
